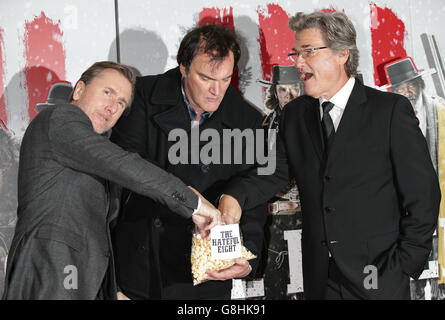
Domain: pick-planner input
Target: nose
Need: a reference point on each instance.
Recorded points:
(215, 88)
(112, 106)
(299, 61)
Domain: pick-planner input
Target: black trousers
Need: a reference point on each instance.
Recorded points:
(336, 290)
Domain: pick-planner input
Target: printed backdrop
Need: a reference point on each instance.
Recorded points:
(45, 41)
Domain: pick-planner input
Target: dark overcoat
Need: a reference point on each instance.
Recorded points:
(152, 243)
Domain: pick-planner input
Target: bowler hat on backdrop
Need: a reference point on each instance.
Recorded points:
(282, 75)
(58, 93)
(402, 70)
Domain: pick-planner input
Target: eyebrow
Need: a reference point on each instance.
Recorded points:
(206, 76)
(122, 99)
(304, 47)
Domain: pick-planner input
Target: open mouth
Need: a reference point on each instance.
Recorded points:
(304, 76)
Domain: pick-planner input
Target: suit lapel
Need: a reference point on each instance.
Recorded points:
(351, 121)
(313, 126)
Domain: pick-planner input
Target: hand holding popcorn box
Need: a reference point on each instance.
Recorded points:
(217, 252)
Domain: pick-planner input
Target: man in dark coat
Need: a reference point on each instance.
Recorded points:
(62, 246)
(152, 244)
(369, 194)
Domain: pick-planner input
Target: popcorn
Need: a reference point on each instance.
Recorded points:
(202, 261)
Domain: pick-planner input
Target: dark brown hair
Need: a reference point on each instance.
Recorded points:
(214, 40)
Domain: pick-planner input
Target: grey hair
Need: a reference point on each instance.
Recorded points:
(338, 33)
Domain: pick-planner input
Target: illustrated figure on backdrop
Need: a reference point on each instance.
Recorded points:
(407, 80)
(59, 93)
(67, 194)
(284, 209)
(368, 189)
(9, 148)
(152, 244)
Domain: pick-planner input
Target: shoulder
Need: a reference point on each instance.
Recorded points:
(238, 112)
(68, 112)
(299, 105)
(164, 88)
(378, 95)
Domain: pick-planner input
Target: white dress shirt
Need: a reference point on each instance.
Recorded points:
(340, 99)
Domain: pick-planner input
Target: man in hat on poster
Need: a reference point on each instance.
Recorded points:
(59, 92)
(284, 210)
(404, 78)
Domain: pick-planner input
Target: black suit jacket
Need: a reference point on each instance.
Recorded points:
(152, 243)
(373, 201)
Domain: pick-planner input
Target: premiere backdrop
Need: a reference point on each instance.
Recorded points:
(46, 41)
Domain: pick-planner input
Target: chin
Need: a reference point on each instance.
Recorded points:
(211, 108)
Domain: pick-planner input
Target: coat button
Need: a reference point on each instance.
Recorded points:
(324, 243)
(205, 168)
(329, 209)
(142, 248)
(328, 178)
(157, 223)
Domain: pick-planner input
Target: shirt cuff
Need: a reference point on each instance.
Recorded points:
(199, 206)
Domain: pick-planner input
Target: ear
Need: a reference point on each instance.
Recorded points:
(343, 56)
(78, 90)
(183, 70)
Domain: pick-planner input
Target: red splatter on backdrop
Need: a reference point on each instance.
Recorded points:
(223, 17)
(276, 39)
(388, 37)
(45, 59)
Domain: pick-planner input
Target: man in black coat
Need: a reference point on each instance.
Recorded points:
(62, 244)
(152, 244)
(369, 194)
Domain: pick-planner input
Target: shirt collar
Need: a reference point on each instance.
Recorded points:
(204, 116)
(340, 99)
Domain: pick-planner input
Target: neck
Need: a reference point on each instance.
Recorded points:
(341, 83)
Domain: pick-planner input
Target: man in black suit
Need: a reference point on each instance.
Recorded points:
(369, 194)
(152, 243)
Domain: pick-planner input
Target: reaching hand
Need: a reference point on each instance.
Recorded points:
(207, 217)
(230, 209)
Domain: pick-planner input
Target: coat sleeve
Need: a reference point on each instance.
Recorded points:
(255, 187)
(418, 188)
(76, 145)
